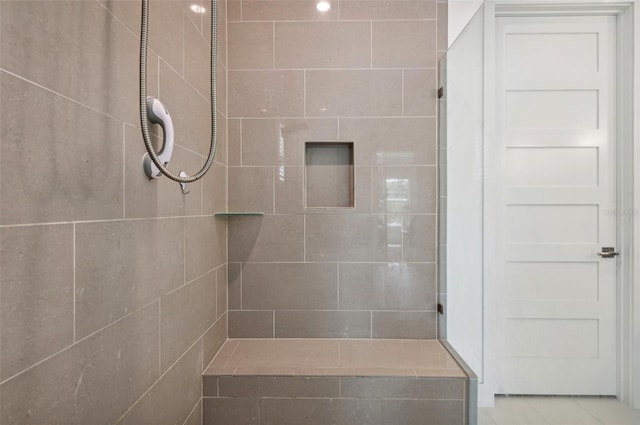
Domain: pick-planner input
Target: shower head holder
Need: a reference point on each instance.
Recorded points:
(157, 113)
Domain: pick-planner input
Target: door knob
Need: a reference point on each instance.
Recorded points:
(608, 252)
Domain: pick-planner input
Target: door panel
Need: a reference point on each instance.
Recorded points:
(556, 132)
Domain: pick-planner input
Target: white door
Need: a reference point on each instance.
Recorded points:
(556, 132)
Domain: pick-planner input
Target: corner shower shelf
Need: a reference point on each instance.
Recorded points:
(238, 214)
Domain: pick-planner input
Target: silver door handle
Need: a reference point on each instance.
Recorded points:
(608, 252)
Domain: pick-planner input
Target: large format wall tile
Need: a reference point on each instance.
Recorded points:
(195, 49)
(250, 324)
(404, 190)
(121, 361)
(404, 44)
(266, 94)
(205, 245)
(172, 398)
(390, 286)
(279, 142)
(289, 286)
(185, 315)
(66, 166)
(214, 190)
(404, 324)
(412, 412)
(387, 9)
(279, 386)
(251, 189)
(251, 45)
(391, 141)
(224, 411)
(419, 238)
(165, 29)
(322, 45)
(72, 50)
(272, 238)
(420, 92)
(320, 411)
(283, 10)
(363, 72)
(36, 285)
(354, 93)
(353, 238)
(190, 111)
(213, 339)
(323, 324)
(123, 265)
(402, 388)
(89, 244)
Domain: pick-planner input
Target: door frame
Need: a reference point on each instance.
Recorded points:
(628, 196)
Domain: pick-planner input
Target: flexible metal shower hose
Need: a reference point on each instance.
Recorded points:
(144, 36)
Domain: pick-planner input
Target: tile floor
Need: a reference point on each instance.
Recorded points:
(517, 410)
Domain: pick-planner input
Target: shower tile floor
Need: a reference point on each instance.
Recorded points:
(517, 410)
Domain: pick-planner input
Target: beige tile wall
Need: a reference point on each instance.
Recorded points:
(280, 400)
(113, 288)
(364, 72)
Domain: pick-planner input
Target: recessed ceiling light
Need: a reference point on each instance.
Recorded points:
(323, 6)
(198, 9)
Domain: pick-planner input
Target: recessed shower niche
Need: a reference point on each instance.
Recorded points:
(329, 175)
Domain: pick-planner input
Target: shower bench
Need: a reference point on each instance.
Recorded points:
(334, 382)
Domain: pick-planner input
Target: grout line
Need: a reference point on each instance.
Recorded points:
(325, 262)
(160, 377)
(160, 336)
(302, 21)
(338, 283)
(402, 91)
(215, 289)
(124, 170)
(194, 407)
(202, 192)
(342, 311)
(201, 22)
(241, 143)
(371, 44)
(402, 230)
(370, 324)
(377, 70)
(352, 117)
(70, 99)
(319, 212)
(84, 338)
(74, 282)
(184, 16)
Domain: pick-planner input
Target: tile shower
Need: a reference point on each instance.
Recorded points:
(364, 72)
(113, 289)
